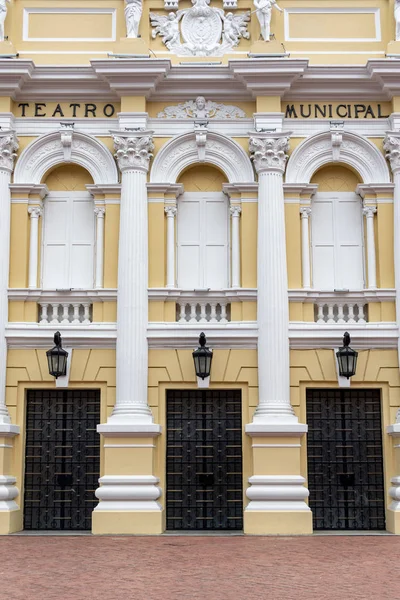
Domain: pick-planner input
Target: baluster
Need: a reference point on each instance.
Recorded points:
(320, 316)
(65, 316)
(331, 316)
(86, 313)
(340, 315)
(223, 312)
(351, 314)
(213, 314)
(75, 318)
(182, 312)
(55, 318)
(44, 319)
(361, 314)
(203, 315)
(193, 307)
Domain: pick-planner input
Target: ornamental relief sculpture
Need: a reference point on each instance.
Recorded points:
(133, 152)
(8, 151)
(202, 109)
(205, 30)
(269, 153)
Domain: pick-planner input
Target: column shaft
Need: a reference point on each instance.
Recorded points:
(305, 247)
(35, 212)
(235, 212)
(369, 212)
(99, 277)
(170, 211)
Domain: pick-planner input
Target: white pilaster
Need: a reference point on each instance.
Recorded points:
(131, 411)
(392, 148)
(100, 212)
(170, 211)
(269, 153)
(8, 148)
(305, 212)
(235, 211)
(35, 213)
(369, 212)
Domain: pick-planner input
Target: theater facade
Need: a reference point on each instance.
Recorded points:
(175, 168)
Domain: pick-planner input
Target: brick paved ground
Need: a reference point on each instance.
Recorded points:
(206, 568)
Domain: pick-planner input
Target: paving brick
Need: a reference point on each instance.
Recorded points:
(206, 568)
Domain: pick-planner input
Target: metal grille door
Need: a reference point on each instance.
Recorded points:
(204, 460)
(345, 464)
(62, 459)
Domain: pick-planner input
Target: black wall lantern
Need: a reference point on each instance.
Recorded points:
(202, 358)
(57, 358)
(347, 358)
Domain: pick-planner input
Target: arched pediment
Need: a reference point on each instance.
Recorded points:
(65, 146)
(337, 146)
(201, 146)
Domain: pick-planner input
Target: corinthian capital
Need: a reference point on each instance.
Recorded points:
(133, 149)
(8, 149)
(269, 153)
(392, 149)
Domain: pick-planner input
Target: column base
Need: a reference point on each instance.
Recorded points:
(277, 522)
(127, 523)
(10, 514)
(393, 521)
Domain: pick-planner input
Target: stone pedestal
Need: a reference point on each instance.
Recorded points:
(10, 517)
(393, 512)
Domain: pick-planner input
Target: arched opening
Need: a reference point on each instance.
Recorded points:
(203, 230)
(337, 238)
(68, 229)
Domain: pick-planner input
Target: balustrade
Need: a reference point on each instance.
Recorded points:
(341, 312)
(65, 313)
(203, 311)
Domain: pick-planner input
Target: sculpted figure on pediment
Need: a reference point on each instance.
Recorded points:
(263, 10)
(133, 14)
(3, 14)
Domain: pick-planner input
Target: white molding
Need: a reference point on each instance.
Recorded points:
(311, 295)
(174, 127)
(31, 126)
(49, 150)
(51, 11)
(220, 150)
(327, 11)
(356, 151)
(231, 335)
(372, 128)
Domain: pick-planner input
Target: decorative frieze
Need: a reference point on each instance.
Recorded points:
(202, 109)
(269, 153)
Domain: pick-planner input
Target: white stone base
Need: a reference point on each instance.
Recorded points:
(128, 492)
(277, 493)
(8, 492)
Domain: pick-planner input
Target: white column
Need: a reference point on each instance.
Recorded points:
(99, 211)
(133, 153)
(369, 212)
(235, 211)
(170, 211)
(392, 148)
(8, 148)
(305, 212)
(35, 213)
(274, 407)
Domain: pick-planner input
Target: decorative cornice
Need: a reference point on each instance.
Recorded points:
(133, 149)
(392, 149)
(8, 150)
(269, 152)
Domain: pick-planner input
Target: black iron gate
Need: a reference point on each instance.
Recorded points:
(62, 462)
(204, 460)
(345, 464)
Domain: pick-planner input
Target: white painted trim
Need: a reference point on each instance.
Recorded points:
(354, 150)
(327, 11)
(6, 446)
(307, 52)
(95, 126)
(32, 52)
(276, 445)
(371, 128)
(231, 335)
(50, 11)
(48, 151)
